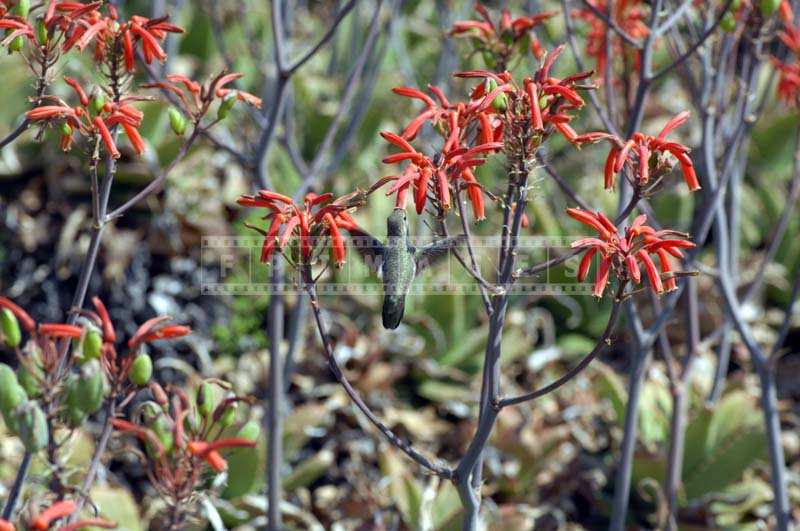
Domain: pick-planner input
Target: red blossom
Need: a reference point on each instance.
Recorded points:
(628, 16)
(624, 254)
(195, 99)
(650, 151)
(55, 512)
(475, 129)
(59, 330)
(318, 217)
(502, 38)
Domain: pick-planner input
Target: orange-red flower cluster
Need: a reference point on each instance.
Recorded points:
(319, 217)
(651, 156)
(474, 129)
(196, 98)
(623, 254)
(85, 25)
(499, 39)
(17, 26)
(789, 70)
(628, 15)
(181, 439)
(48, 517)
(89, 122)
(46, 334)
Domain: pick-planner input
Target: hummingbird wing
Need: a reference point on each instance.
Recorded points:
(436, 251)
(370, 248)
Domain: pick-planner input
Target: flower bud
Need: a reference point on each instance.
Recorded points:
(97, 103)
(768, 7)
(159, 395)
(11, 393)
(41, 31)
(92, 345)
(9, 326)
(225, 107)
(205, 399)
(22, 8)
(141, 370)
(74, 416)
(177, 121)
(16, 44)
(90, 388)
(500, 103)
(228, 415)
(32, 426)
(29, 378)
(162, 427)
(249, 431)
(728, 22)
(65, 128)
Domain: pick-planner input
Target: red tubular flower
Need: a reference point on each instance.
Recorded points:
(624, 254)
(59, 330)
(210, 451)
(156, 328)
(82, 97)
(46, 112)
(109, 335)
(5, 525)
(105, 135)
(55, 512)
(134, 137)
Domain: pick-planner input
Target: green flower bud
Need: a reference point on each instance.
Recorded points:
(90, 388)
(74, 416)
(92, 345)
(97, 103)
(29, 379)
(500, 103)
(65, 129)
(728, 22)
(205, 399)
(177, 121)
(226, 106)
(141, 370)
(228, 416)
(41, 31)
(249, 431)
(12, 336)
(16, 44)
(768, 7)
(32, 426)
(11, 393)
(22, 8)
(162, 427)
(491, 84)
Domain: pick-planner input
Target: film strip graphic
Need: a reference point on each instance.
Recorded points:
(232, 266)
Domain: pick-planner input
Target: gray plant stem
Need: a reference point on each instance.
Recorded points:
(761, 362)
(16, 488)
(622, 483)
(276, 394)
(680, 406)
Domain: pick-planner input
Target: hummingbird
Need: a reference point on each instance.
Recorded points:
(399, 262)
